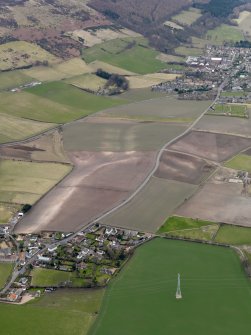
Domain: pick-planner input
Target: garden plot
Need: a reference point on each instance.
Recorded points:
(213, 146)
(98, 182)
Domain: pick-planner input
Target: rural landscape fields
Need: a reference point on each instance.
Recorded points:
(124, 168)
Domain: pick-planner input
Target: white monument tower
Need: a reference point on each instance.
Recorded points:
(178, 292)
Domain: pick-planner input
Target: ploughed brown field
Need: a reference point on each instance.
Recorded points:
(183, 167)
(99, 181)
(219, 203)
(212, 146)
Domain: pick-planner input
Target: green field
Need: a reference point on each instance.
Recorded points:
(230, 110)
(132, 54)
(189, 228)
(224, 33)
(7, 211)
(55, 102)
(25, 182)
(175, 223)
(141, 300)
(240, 162)
(13, 128)
(62, 312)
(188, 17)
(5, 271)
(234, 235)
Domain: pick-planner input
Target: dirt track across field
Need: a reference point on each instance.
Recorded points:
(98, 182)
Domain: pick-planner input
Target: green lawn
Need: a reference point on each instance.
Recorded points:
(224, 33)
(25, 182)
(62, 312)
(240, 162)
(132, 54)
(141, 300)
(234, 235)
(5, 271)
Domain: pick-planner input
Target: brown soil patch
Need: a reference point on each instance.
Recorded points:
(183, 167)
(49, 147)
(213, 146)
(222, 202)
(98, 182)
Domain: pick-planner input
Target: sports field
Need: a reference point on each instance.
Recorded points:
(62, 312)
(25, 182)
(126, 53)
(5, 271)
(141, 300)
(235, 235)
